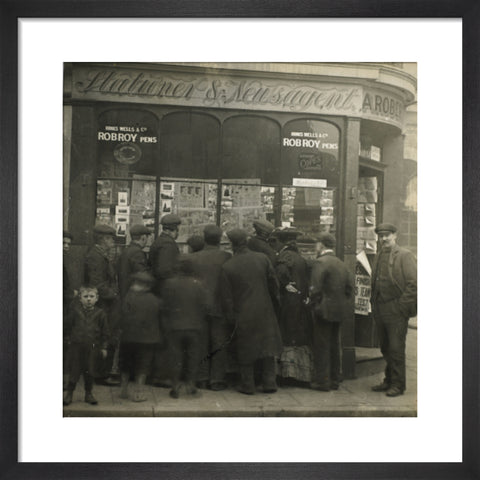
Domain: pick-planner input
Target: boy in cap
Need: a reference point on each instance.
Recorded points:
(259, 241)
(100, 272)
(133, 259)
(184, 310)
(249, 287)
(332, 298)
(141, 333)
(86, 332)
(394, 301)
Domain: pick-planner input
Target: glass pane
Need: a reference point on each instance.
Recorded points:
(190, 145)
(122, 203)
(194, 201)
(251, 149)
(127, 143)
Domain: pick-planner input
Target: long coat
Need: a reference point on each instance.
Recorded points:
(141, 318)
(291, 267)
(402, 268)
(132, 260)
(259, 244)
(100, 272)
(331, 289)
(163, 257)
(207, 266)
(248, 286)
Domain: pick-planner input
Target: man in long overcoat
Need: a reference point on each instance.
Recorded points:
(249, 287)
(394, 301)
(332, 299)
(259, 241)
(207, 266)
(100, 272)
(133, 259)
(164, 253)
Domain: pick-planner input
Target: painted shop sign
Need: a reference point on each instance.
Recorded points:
(166, 88)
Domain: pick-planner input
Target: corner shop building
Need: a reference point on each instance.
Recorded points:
(315, 146)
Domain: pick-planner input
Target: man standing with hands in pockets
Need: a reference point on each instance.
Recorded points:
(394, 301)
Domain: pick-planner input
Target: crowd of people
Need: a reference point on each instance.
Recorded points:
(259, 315)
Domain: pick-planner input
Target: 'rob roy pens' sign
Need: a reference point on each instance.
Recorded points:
(217, 91)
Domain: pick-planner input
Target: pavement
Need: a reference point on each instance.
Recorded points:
(354, 398)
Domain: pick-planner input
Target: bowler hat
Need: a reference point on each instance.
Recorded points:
(263, 226)
(237, 236)
(102, 229)
(138, 229)
(386, 227)
(144, 277)
(170, 220)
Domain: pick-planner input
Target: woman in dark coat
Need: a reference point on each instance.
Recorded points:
(295, 327)
(249, 290)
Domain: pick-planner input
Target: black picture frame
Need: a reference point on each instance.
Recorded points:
(11, 10)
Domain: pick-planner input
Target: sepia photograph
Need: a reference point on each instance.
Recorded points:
(240, 239)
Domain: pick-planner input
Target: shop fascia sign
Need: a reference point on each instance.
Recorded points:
(218, 91)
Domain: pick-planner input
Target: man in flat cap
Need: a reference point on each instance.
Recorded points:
(259, 241)
(164, 250)
(332, 301)
(394, 301)
(100, 272)
(249, 285)
(207, 264)
(133, 259)
(164, 253)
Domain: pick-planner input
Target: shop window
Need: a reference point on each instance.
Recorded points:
(251, 149)
(310, 149)
(189, 146)
(127, 143)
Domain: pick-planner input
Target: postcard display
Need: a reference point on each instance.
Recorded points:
(122, 203)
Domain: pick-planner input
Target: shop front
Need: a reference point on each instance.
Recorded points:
(224, 146)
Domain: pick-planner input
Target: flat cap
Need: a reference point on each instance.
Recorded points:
(196, 243)
(139, 229)
(285, 234)
(263, 226)
(237, 236)
(212, 233)
(102, 229)
(144, 277)
(67, 234)
(327, 239)
(170, 220)
(386, 227)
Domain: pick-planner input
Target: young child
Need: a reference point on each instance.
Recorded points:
(141, 334)
(86, 331)
(184, 308)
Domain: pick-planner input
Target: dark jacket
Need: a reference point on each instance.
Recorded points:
(184, 303)
(207, 267)
(163, 256)
(86, 326)
(259, 244)
(132, 260)
(100, 272)
(249, 285)
(141, 318)
(402, 268)
(291, 267)
(331, 289)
